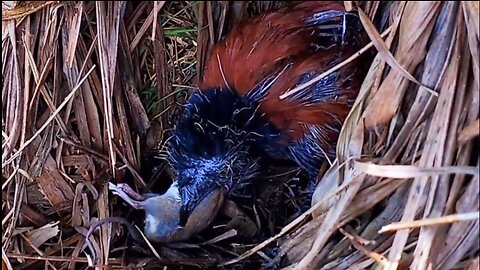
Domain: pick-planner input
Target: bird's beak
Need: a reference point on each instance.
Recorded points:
(199, 219)
(205, 212)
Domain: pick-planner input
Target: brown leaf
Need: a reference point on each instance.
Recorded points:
(432, 154)
(47, 122)
(162, 70)
(464, 235)
(145, 26)
(410, 171)
(355, 113)
(474, 264)
(348, 5)
(415, 29)
(41, 235)
(434, 68)
(203, 40)
(298, 243)
(34, 216)
(91, 91)
(8, 5)
(108, 22)
(331, 219)
(136, 110)
(125, 142)
(382, 48)
(390, 213)
(356, 242)
(396, 11)
(445, 136)
(15, 105)
(53, 185)
(325, 187)
(5, 262)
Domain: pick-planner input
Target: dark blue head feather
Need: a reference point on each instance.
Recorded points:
(217, 143)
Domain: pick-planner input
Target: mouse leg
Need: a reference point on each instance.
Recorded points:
(130, 192)
(240, 221)
(126, 193)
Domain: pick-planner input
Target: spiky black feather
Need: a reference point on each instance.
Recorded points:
(218, 142)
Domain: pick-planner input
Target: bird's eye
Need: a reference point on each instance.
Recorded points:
(198, 127)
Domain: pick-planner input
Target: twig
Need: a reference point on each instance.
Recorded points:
(410, 171)
(430, 221)
(47, 258)
(355, 240)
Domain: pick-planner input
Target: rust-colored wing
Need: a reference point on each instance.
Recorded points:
(255, 48)
(264, 58)
(314, 116)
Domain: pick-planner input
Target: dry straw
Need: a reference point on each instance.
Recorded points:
(89, 89)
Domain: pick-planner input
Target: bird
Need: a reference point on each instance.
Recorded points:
(237, 123)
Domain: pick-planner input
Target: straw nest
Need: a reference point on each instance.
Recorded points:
(90, 90)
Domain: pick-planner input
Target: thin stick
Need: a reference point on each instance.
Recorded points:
(410, 171)
(430, 222)
(47, 258)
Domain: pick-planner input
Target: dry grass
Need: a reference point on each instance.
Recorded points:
(90, 90)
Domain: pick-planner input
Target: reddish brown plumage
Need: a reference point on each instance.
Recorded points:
(269, 35)
(263, 45)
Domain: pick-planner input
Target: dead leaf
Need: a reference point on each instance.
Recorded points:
(42, 235)
(19, 9)
(384, 51)
(431, 221)
(325, 187)
(75, 18)
(355, 146)
(415, 29)
(5, 262)
(410, 171)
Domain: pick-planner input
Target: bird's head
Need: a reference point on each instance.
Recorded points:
(194, 199)
(211, 146)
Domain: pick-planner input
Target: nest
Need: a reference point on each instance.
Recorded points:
(91, 89)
